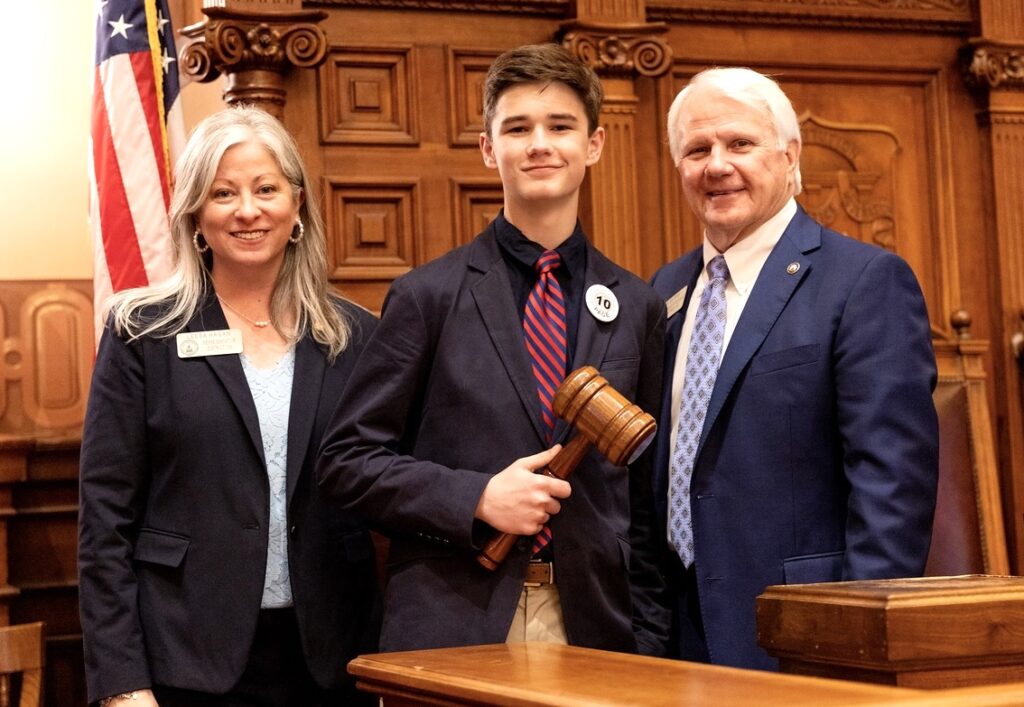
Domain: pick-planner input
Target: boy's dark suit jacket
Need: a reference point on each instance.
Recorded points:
(443, 398)
(819, 456)
(174, 511)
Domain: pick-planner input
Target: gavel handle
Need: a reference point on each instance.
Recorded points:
(561, 467)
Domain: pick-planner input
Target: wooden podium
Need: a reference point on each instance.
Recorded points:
(548, 675)
(930, 632)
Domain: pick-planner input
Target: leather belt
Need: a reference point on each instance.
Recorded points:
(539, 573)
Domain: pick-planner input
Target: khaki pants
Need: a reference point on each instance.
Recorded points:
(538, 616)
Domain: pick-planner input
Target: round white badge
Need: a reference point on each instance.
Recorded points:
(602, 303)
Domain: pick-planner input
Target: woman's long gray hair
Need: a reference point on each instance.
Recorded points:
(302, 289)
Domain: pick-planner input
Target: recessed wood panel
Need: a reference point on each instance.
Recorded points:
(367, 95)
(467, 69)
(56, 346)
(372, 227)
(475, 203)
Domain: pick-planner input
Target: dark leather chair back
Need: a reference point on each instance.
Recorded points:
(967, 535)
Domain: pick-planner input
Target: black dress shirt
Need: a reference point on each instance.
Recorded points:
(520, 253)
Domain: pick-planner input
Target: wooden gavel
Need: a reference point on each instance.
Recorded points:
(604, 419)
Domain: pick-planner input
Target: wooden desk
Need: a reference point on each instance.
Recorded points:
(543, 674)
(988, 696)
(929, 632)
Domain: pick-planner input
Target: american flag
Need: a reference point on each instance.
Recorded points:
(137, 130)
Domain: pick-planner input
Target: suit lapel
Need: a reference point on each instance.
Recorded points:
(493, 296)
(229, 370)
(310, 366)
(776, 283)
(689, 270)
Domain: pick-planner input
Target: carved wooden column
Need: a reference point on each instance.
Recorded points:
(994, 63)
(613, 37)
(254, 44)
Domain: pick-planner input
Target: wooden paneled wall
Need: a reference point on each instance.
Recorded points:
(46, 331)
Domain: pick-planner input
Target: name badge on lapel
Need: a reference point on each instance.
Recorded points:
(602, 303)
(674, 303)
(218, 342)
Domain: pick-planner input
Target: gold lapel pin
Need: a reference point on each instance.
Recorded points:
(793, 268)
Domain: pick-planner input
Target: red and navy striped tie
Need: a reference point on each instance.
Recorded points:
(544, 331)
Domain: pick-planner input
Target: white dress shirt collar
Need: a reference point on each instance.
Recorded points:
(748, 255)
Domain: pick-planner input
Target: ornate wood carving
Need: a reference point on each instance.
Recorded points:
(628, 50)
(373, 227)
(848, 177)
(254, 49)
(995, 65)
(369, 96)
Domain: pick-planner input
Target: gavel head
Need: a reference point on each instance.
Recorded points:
(617, 428)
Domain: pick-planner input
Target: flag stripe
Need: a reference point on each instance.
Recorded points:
(140, 171)
(116, 230)
(175, 133)
(100, 274)
(143, 70)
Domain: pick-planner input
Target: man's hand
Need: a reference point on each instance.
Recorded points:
(517, 500)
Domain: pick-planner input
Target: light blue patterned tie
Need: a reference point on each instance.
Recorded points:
(702, 361)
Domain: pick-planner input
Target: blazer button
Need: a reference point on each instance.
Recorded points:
(291, 531)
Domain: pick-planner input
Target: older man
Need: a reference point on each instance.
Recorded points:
(798, 440)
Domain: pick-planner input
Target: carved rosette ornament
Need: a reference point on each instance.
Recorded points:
(620, 49)
(254, 50)
(994, 65)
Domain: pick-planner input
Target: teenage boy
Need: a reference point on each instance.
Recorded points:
(447, 415)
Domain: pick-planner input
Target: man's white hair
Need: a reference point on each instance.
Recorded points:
(748, 87)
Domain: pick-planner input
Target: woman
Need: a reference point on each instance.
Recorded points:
(212, 571)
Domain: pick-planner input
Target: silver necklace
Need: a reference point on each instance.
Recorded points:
(261, 323)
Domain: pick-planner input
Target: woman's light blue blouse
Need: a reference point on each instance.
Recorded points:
(272, 391)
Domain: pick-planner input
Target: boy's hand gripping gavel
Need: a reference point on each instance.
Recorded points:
(603, 418)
